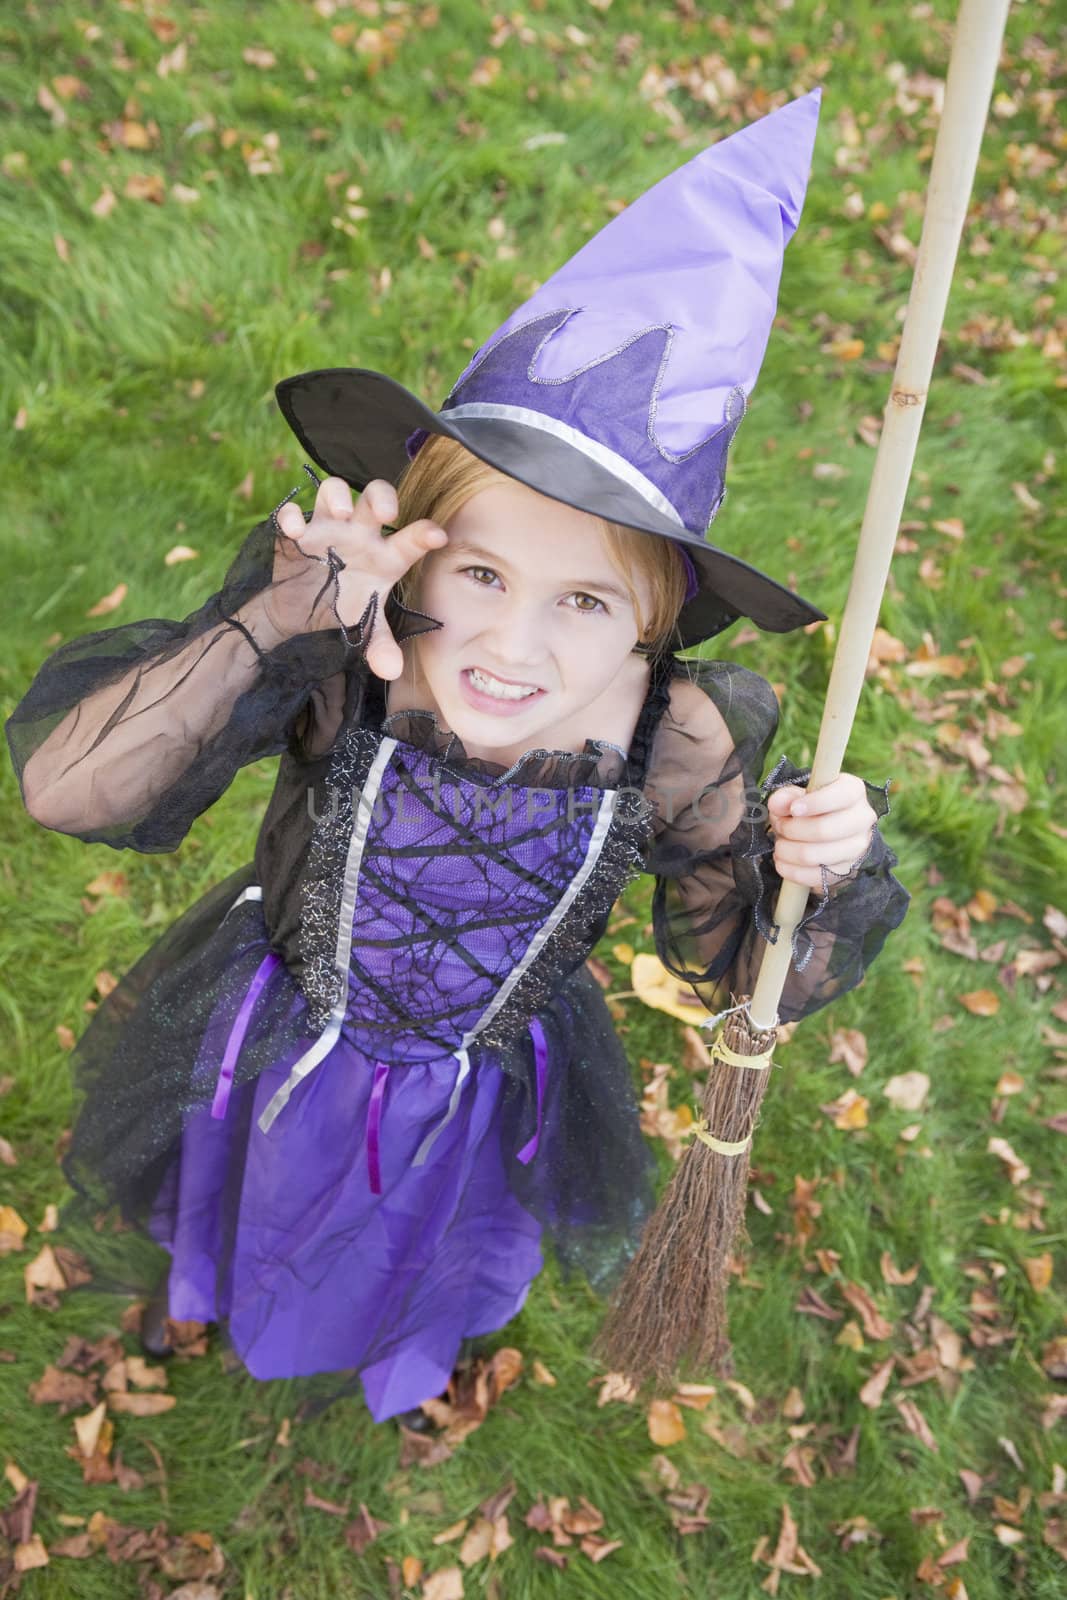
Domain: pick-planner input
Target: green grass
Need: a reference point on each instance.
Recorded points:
(135, 397)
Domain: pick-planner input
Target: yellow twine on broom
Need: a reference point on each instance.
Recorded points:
(722, 1052)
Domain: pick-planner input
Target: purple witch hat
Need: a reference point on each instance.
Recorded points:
(618, 387)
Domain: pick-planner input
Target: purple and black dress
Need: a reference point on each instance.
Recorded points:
(355, 1087)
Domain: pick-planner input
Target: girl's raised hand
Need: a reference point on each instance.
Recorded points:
(301, 599)
(831, 826)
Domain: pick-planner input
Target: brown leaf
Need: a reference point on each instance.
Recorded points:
(596, 1549)
(88, 1428)
(873, 1391)
(142, 1376)
(1018, 1171)
(892, 1274)
(616, 1386)
(362, 1531)
(850, 1046)
(797, 1460)
(444, 1585)
(314, 1503)
(875, 1325)
(542, 1375)
(68, 1390)
(915, 1422)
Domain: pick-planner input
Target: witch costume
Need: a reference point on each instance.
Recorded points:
(356, 1087)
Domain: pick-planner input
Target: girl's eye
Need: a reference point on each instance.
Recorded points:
(482, 575)
(587, 603)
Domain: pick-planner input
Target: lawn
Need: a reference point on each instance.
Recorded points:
(197, 202)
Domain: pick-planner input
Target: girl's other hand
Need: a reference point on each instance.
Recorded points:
(831, 826)
(373, 563)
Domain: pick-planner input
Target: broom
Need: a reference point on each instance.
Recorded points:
(671, 1304)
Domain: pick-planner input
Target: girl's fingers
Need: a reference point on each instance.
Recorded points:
(377, 505)
(333, 499)
(850, 849)
(290, 520)
(845, 790)
(384, 656)
(817, 830)
(409, 544)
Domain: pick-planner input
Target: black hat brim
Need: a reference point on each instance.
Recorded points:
(355, 425)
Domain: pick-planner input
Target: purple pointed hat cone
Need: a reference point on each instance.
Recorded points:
(690, 274)
(618, 386)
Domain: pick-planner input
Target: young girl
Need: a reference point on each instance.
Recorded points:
(352, 1087)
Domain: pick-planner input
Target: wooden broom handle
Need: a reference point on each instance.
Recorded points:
(971, 71)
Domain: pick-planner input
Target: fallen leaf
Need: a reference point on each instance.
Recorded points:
(655, 987)
(30, 1554)
(849, 1111)
(873, 1391)
(1039, 1271)
(88, 1428)
(109, 602)
(1018, 1171)
(850, 1046)
(981, 1002)
(142, 1405)
(666, 1425)
(907, 1091)
(12, 1230)
(615, 1386)
(541, 1374)
(180, 552)
(875, 1325)
(915, 1422)
(444, 1585)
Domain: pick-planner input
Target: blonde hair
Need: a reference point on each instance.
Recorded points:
(444, 476)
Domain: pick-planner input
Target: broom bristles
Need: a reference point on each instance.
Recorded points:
(671, 1305)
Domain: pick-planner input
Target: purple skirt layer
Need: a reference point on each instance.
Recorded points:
(279, 1233)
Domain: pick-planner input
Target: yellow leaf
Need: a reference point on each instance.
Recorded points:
(981, 1002)
(411, 1571)
(180, 552)
(849, 1111)
(12, 1230)
(1039, 1271)
(623, 953)
(655, 987)
(30, 1554)
(666, 1425)
(542, 1375)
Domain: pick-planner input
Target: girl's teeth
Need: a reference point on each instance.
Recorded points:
(501, 691)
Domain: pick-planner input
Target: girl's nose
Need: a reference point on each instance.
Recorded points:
(517, 637)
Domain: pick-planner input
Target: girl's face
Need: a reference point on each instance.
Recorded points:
(536, 624)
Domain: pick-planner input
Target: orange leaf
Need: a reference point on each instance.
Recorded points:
(666, 1425)
(110, 602)
(981, 1002)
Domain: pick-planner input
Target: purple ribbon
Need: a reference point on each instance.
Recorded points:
(374, 1127)
(540, 1044)
(237, 1034)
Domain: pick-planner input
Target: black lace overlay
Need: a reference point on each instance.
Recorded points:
(712, 854)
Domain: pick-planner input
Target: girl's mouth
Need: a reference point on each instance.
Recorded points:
(486, 692)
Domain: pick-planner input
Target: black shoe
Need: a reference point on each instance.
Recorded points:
(415, 1421)
(155, 1336)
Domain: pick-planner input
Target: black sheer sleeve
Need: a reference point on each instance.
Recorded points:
(712, 853)
(127, 735)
